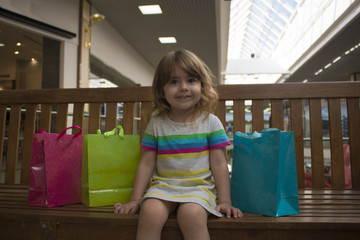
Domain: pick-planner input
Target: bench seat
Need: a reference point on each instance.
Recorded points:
(328, 210)
(324, 214)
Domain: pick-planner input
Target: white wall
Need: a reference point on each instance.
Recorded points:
(68, 68)
(63, 14)
(109, 46)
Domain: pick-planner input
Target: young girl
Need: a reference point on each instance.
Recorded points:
(183, 153)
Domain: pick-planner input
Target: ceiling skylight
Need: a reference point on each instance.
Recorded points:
(257, 25)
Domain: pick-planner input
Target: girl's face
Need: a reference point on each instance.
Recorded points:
(182, 92)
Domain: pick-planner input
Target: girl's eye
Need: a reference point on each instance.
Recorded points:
(173, 81)
(192, 80)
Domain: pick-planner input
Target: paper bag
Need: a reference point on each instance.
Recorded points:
(264, 179)
(55, 169)
(109, 166)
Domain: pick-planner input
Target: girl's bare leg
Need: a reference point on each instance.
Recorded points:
(153, 215)
(192, 219)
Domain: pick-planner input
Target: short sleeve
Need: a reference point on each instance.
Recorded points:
(217, 137)
(149, 139)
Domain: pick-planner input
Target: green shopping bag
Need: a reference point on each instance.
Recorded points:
(109, 166)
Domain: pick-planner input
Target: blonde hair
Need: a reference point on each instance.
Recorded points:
(195, 67)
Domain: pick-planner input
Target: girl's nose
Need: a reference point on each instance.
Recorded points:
(183, 85)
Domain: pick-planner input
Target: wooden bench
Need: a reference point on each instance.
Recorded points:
(323, 117)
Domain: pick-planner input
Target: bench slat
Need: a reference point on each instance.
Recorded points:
(220, 112)
(111, 116)
(289, 90)
(239, 116)
(317, 155)
(277, 114)
(145, 116)
(337, 155)
(94, 117)
(78, 114)
(29, 130)
(354, 130)
(128, 117)
(257, 115)
(45, 117)
(296, 121)
(235, 92)
(61, 117)
(78, 95)
(13, 144)
(2, 132)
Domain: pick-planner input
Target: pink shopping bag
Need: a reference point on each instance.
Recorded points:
(55, 171)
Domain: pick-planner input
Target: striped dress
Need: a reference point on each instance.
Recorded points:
(182, 172)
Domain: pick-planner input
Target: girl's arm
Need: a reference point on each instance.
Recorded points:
(142, 180)
(222, 182)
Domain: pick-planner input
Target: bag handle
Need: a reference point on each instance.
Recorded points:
(113, 132)
(64, 131)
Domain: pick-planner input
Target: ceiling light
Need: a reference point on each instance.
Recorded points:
(97, 17)
(2, 45)
(18, 44)
(150, 9)
(327, 65)
(16, 52)
(318, 72)
(336, 59)
(166, 40)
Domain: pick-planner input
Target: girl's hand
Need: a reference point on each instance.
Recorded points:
(228, 210)
(128, 208)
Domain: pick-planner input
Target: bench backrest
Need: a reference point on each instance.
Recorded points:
(325, 117)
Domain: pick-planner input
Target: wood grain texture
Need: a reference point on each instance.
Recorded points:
(29, 130)
(239, 116)
(220, 112)
(354, 132)
(325, 214)
(257, 115)
(94, 117)
(111, 116)
(296, 121)
(45, 117)
(78, 115)
(317, 154)
(61, 117)
(128, 117)
(336, 141)
(13, 144)
(277, 114)
(2, 133)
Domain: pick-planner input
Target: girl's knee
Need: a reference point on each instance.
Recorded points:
(192, 219)
(153, 215)
(155, 210)
(192, 214)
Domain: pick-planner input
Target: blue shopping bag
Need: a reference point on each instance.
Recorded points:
(263, 179)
